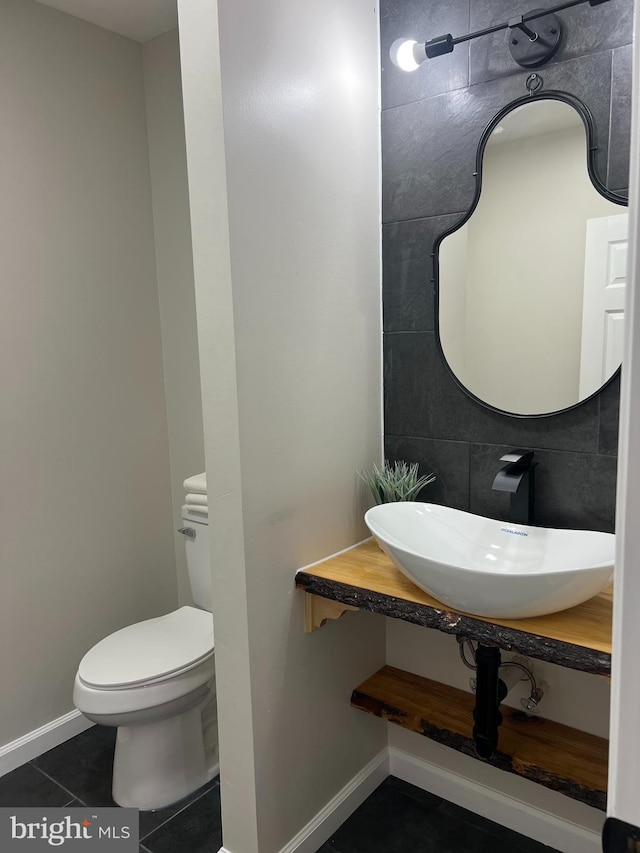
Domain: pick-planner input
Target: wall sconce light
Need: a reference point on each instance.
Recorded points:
(530, 47)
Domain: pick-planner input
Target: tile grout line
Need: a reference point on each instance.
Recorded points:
(175, 814)
(505, 75)
(431, 216)
(55, 781)
(74, 797)
(471, 442)
(599, 431)
(469, 478)
(610, 131)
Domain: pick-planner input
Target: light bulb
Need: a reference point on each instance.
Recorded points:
(403, 54)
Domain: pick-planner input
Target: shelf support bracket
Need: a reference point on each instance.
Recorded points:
(317, 610)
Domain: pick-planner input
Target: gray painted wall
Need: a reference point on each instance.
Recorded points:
(431, 123)
(86, 534)
(174, 267)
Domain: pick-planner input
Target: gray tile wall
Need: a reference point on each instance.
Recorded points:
(431, 123)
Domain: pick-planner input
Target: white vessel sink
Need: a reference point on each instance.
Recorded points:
(492, 568)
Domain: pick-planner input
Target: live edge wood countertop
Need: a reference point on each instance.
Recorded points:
(365, 578)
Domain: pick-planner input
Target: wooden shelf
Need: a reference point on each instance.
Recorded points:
(561, 758)
(365, 578)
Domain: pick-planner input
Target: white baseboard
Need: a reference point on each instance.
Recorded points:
(34, 743)
(339, 808)
(523, 817)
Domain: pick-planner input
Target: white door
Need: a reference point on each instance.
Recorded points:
(605, 282)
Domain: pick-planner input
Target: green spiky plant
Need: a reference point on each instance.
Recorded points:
(395, 482)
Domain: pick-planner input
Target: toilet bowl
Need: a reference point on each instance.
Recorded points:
(155, 681)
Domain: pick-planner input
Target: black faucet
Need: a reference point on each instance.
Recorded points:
(517, 478)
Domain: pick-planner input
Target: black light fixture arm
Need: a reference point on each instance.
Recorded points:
(520, 22)
(446, 43)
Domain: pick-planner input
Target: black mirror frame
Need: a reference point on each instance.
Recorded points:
(592, 146)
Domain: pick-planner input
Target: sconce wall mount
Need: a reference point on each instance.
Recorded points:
(533, 47)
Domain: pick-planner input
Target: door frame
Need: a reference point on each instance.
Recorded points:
(624, 760)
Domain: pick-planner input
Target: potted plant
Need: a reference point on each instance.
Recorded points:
(397, 481)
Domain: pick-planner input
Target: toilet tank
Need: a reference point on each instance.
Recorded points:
(195, 529)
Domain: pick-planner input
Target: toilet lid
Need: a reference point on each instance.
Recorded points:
(149, 650)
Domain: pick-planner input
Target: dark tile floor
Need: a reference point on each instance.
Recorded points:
(79, 773)
(396, 818)
(400, 818)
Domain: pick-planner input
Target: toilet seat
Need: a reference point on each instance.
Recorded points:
(150, 651)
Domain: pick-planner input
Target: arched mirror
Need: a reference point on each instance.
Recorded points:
(531, 285)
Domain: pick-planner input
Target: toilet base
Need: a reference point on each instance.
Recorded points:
(159, 763)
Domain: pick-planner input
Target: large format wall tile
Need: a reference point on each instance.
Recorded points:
(430, 131)
(409, 364)
(571, 489)
(429, 147)
(609, 401)
(422, 400)
(407, 272)
(621, 191)
(620, 138)
(448, 460)
(587, 30)
(423, 21)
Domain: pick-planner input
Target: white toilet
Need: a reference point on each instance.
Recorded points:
(155, 681)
